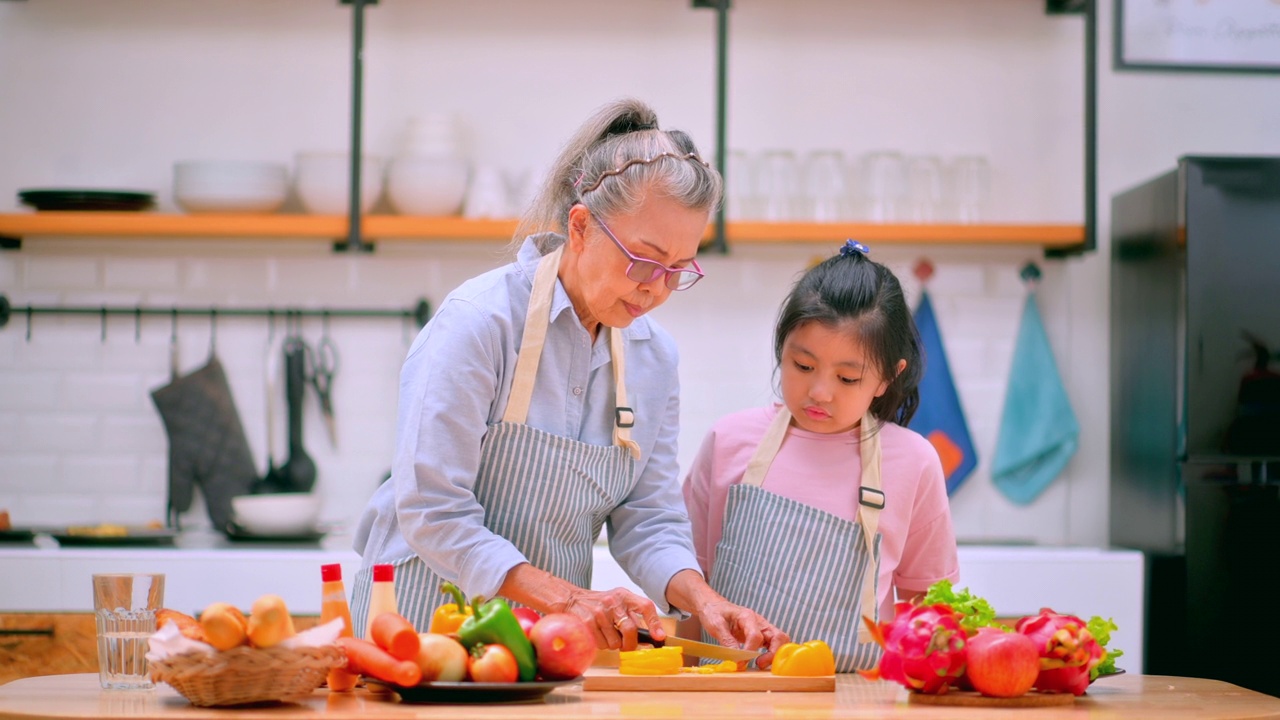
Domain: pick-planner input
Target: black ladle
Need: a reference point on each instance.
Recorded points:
(299, 471)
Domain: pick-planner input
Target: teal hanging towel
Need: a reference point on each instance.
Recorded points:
(1038, 429)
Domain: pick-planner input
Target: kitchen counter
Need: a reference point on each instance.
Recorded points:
(203, 568)
(1123, 696)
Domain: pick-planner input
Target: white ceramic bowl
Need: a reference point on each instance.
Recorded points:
(204, 186)
(276, 513)
(322, 181)
(420, 185)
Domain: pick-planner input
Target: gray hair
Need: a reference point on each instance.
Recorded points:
(617, 158)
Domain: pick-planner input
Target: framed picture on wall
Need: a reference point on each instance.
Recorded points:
(1200, 35)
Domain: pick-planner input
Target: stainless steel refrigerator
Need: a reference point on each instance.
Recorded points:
(1195, 411)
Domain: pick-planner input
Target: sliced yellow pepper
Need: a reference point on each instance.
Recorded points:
(725, 666)
(450, 616)
(652, 661)
(811, 659)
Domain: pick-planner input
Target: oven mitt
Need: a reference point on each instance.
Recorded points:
(207, 444)
(1038, 430)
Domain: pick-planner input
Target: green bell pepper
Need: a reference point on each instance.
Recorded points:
(494, 623)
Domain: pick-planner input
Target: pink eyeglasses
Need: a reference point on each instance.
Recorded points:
(646, 271)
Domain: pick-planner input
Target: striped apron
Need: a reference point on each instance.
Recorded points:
(547, 494)
(811, 573)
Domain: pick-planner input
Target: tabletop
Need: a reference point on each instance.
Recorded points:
(1122, 696)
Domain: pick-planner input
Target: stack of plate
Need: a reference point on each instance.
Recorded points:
(78, 199)
(201, 186)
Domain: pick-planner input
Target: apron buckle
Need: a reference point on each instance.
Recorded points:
(625, 417)
(871, 498)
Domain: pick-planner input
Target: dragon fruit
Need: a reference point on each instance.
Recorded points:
(1068, 651)
(924, 648)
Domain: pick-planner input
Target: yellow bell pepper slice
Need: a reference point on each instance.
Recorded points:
(652, 661)
(811, 659)
(725, 666)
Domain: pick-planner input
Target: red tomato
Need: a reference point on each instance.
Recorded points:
(492, 663)
(528, 617)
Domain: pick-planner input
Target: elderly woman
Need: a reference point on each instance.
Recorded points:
(541, 404)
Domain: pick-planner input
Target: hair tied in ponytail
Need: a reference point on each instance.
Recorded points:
(851, 247)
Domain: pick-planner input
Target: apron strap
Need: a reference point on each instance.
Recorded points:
(870, 502)
(870, 495)
(536, 320)
(768, 448)
(624, 418)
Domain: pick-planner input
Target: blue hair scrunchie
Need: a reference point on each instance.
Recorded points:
(853, 246)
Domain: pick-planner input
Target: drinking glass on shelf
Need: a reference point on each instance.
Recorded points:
(740, 186)
(824, 186)
(779, 185)
(125, 606)
(883, 185)
(971, 178)
(926, 189)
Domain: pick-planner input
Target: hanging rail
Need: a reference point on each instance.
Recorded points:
(420, 313)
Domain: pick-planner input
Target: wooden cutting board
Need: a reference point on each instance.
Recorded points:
(598, 678)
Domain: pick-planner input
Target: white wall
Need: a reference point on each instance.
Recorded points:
(111, 93)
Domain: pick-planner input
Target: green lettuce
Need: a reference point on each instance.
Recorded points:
(974, 612)
(1101, 631)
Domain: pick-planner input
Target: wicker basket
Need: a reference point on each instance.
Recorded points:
(246, 675)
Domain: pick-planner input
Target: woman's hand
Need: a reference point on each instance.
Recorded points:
(731, 625)
(613, 615)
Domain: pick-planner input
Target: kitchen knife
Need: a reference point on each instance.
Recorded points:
(700, 649)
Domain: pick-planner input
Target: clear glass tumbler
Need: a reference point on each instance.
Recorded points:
(125, 606)
(971, 178)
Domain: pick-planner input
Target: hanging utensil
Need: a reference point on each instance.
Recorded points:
(299, 471)
(321, 377)
(273, 481)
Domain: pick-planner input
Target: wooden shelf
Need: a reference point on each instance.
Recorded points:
(398, 228)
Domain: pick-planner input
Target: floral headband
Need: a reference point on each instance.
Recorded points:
(853, 246)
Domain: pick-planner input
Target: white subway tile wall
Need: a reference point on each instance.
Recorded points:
(81, 441)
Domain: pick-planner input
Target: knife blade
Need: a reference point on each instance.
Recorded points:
(700, 649)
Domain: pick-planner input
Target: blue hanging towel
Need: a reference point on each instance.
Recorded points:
(940, 418)
(1038, 430)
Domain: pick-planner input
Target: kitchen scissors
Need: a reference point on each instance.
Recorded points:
(322, 364)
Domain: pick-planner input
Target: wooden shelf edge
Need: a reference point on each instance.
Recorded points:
(404, 228)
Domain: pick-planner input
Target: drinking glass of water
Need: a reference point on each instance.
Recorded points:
(125, 606)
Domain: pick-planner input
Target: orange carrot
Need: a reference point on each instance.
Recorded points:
(396, 635)
(366, 658)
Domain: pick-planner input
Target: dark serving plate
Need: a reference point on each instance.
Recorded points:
(17, 535)
(100, 200)
(134, 536)
(471, 692)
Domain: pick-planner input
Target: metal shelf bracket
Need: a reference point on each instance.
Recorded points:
(722, 72)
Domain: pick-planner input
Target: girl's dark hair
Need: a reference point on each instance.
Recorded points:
(852, 288)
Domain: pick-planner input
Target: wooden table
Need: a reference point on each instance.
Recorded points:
(1123, 696)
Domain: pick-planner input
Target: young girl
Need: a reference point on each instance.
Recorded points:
(815, 511)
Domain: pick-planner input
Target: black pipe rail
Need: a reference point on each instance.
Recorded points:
(419, 313)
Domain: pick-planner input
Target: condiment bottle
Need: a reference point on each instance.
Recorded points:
(333, 604)
(382, 596)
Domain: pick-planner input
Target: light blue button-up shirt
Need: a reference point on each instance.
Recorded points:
(455, 384)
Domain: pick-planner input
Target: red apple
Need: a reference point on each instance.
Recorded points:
(564, 644)
(441, 658)
(1002, 664)
(527, 617)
